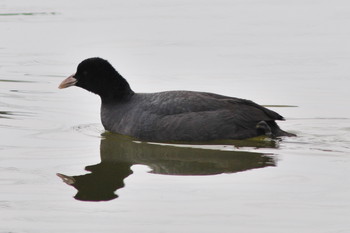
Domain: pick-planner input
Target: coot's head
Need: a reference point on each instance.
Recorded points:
(98, 76)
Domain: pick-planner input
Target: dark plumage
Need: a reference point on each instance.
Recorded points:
(171, 115)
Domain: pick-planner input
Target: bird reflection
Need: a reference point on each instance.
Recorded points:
(119, 153)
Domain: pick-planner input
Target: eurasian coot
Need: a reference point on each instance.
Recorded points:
(171, 115)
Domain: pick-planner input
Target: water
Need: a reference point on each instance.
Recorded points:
(275, 53)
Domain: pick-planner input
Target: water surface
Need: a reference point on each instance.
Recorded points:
(280, 54)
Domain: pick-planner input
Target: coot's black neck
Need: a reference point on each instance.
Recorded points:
(119, 90)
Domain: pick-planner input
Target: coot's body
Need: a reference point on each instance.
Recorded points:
(173, 115)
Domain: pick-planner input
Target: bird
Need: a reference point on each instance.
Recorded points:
(171, 116)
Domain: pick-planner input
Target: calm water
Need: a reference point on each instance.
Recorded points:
(273, 52)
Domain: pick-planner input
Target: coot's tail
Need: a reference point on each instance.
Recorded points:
(284, 133)
(271, 129)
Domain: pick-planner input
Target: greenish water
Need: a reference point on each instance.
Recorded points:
(61, 172)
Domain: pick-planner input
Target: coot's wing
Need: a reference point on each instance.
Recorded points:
(181, 102)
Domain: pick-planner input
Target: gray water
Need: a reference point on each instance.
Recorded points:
(276, 53)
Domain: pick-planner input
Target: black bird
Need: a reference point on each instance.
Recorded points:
(171, 116)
